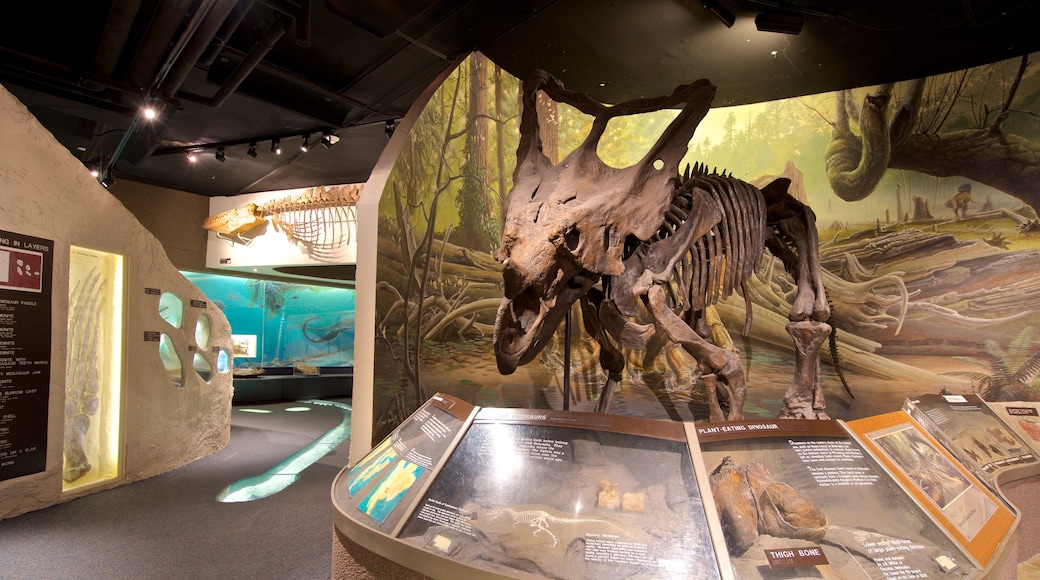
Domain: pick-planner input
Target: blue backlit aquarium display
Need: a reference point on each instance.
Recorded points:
(283, 324)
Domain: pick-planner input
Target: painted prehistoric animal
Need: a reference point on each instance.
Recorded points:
(270, 295)
(646, 250)
(320, 220)
(997, 240)
(330, 332)
(959, 203)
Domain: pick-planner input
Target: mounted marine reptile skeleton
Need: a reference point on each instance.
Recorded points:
(645, 250)
(319, 220)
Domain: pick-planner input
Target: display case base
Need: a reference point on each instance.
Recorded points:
(353, 562)
(291, 388)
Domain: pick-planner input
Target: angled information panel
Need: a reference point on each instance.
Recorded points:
(800, 498)
(976, 434)
(379, 489)
(536, 493)
(970, 513)
(1023, 417)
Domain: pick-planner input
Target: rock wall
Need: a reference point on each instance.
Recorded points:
(47, 193)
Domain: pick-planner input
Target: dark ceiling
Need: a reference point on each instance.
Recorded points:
(227, 73)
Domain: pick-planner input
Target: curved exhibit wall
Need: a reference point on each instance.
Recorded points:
(171, 396)
(929, 254)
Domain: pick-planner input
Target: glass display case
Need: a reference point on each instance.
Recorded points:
(93, 368)
(278, 324)
(506, 492)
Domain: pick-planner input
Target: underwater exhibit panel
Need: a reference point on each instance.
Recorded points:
(283, 324)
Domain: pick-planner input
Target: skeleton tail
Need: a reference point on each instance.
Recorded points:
(832, 341)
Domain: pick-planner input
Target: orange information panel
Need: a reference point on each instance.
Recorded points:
(967, 510)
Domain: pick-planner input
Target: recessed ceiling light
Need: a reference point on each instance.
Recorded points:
(328, 139)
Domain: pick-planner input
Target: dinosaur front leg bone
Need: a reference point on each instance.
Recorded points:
(610, 357)
(606, 396)
(804, 398)
(711, 384)
(723, 362)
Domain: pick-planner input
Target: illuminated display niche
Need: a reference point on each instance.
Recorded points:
(92, 374)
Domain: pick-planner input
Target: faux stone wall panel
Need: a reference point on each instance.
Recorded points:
(48, 193)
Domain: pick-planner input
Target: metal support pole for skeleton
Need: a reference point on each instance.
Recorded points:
(567, 361)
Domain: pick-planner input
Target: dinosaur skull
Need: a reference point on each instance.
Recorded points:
(566, 224)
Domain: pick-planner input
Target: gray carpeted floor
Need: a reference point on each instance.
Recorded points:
(172, 526)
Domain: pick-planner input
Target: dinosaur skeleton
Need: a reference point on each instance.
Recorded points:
(661, 247)
(320, 220)
(540, 520)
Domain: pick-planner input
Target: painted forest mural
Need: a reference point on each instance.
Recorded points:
(924, 191)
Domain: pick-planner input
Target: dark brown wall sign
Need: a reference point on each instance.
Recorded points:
(25, 347)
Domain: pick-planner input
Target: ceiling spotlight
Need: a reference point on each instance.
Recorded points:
(252, 149)
(149, 113)
(725, 15)
(328, 139)
(95, 172)
(191, 157)
(276, 146)
(390, 127)
(220, 154)
(306, 142)
(782, 22)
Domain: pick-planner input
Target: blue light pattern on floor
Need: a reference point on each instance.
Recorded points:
(285, 473)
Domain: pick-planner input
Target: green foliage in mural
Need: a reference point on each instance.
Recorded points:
(457, 162)
(1011, 373)
(478, 228)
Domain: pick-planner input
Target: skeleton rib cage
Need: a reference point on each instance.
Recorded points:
(321, 220)
(724, 259)
(321, 225)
